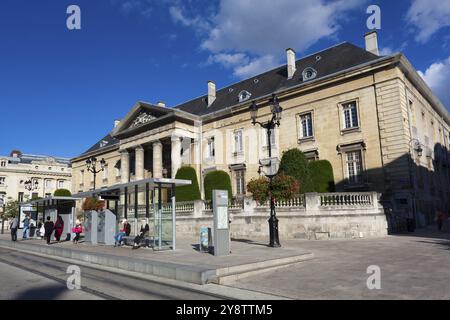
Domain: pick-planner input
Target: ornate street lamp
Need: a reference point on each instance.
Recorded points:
(31, 184)
(92, 166)
(276, 111)
(417, 146)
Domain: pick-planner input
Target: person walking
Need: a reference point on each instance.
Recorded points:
(13, 225)
(125, 231)
(48, 226)
(26, 227)
(59, 227)
(77, 230)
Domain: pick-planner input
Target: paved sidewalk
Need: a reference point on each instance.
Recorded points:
(186, 252)
(413, 266)
(185, 264)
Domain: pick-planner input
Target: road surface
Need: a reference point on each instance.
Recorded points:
(26, 276)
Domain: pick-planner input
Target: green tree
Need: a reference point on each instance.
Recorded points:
(190, 192)
(217, 179)
(62, 193)
(293, 163)
(11, 209)
(321, 173)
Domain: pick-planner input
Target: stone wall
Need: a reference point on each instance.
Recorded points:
(318, 216)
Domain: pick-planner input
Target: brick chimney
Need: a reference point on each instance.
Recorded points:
(290, 55)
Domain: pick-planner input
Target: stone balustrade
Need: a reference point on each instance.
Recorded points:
(309, 203)
(297, 202)
(346, 199)
(310, 216)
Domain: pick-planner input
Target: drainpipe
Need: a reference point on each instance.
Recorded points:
(200, 158)
(410, 160)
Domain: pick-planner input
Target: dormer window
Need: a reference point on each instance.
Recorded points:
(103, 143)
(308, 74)
(244, 95)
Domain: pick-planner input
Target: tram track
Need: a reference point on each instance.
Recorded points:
(100, 283)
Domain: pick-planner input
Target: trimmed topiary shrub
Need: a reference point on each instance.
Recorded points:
(217, 180)
(321, 173)
(62, 193)
(293, 163)
(191, 192)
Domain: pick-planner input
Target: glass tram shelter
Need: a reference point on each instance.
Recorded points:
(149, 201)
(52, 207)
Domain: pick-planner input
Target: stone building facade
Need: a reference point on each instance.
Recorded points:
(373, 117)
(45, 172)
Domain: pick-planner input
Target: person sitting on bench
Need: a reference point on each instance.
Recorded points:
(141, 236)
(125, 231)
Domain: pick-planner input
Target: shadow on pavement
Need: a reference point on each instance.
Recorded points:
(248, 241)
(49, 292)
(431, 232)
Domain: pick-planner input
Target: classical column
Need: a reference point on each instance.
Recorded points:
(125, 166)
(157, 159)
(175, 155)
(139, 163)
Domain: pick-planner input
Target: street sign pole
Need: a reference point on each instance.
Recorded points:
(2, 204)
(221, 223)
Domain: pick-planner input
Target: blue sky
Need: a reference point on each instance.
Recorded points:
(60, 89)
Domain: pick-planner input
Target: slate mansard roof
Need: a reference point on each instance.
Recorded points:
(107, 141)
(326, 62)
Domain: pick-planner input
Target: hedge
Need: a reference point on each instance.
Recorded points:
(190, 192)
(62, 193)
(217, 180)
(321, 173)
(293, 163)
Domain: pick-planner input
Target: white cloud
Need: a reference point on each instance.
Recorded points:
(437, 76)
(130, 5)
(261, 30)
(428, 17)
(386, 51)
(229, 59)
(256, 66)
(178, 16)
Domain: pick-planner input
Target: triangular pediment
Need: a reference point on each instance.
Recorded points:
(142, 118)
(140, 115)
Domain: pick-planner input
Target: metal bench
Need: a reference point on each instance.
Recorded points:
(146, 242)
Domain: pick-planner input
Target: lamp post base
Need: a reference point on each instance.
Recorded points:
(273, 230)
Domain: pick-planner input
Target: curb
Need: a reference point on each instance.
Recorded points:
(169, 270)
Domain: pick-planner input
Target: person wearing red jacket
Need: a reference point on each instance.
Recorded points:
(77, 230)
(125, 231)
(59, 227)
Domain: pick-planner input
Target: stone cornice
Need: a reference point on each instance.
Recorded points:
(39, 173)
(95, 153)
(422, 87)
